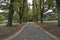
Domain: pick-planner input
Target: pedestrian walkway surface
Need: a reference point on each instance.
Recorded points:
(31, 32)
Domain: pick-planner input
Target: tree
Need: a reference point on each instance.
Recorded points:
(2, 17)
(33, 10)
(36, 10)
(20, 12)
(11, 12)
(58, 10)
(41, 9)
(15, 6)
(25, 10)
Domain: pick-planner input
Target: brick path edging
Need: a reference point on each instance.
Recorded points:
(17, 33)
(56, 38)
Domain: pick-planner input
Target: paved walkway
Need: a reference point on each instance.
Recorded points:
(31, 32)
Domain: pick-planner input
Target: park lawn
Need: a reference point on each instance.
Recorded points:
(51, 27)
(6, 31)
(50, 21)
(6, 24)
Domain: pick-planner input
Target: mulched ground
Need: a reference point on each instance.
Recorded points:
(52, 28)
(6, 31)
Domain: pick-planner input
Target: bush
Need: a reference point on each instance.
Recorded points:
(2, 17)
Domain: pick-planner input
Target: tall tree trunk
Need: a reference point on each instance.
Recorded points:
(24, 10)
(42, 14)
(20, 14)
(34, 11)
(36, 5)
(11, 12)
(41, 9)
(58, 10)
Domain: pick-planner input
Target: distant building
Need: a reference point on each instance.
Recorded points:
(5, 1)
(2, 4)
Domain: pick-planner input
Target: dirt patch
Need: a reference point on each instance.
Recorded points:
(6, 31)
(52, 28)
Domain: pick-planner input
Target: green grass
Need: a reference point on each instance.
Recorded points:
(6, 24)
(51, 21)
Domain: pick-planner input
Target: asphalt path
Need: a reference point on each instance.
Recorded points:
(31, 32)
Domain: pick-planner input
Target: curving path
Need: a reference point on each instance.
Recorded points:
(31, 32)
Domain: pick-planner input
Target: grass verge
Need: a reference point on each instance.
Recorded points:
(51, 27)
(6, 31)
